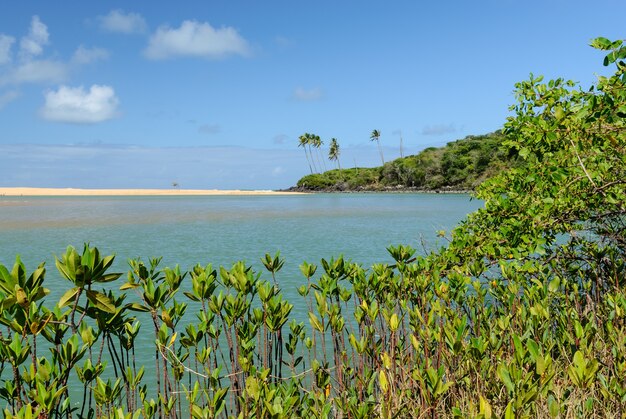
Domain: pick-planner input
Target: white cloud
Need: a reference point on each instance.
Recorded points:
(32, 44)
(84, 55)
(36, 71)
(195, 39)
(75, 105)
(305, 95)
(30, 68)
(119, 21)
(7, 97)
(6, 42)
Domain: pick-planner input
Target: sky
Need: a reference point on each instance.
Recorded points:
(214, 94)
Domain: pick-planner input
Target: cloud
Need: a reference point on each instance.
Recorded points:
(75, 105)
(6, 42)
(439, 129)
(32, 44)
(7, 97)
(36, 71)
(209, 129)
(195, 39)
(84, 55)
(121, 22)
(304, 95)
(30, 69)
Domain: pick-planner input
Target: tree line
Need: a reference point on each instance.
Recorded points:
(316, 161)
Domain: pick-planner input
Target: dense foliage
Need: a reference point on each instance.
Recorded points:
(460, 165)
(522, 314)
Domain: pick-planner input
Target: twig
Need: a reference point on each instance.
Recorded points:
(581, 162)
(194, 372)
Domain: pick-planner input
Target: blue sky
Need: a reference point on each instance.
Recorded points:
(214, 94)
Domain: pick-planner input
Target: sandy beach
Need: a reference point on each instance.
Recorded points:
(130, 192)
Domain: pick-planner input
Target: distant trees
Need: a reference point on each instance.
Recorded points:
(317, 142)
(460, 165)
(375, 136)
(333, 152)
(304, 142)
(309, 141)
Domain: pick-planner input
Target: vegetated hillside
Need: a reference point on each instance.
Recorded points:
(459, 165)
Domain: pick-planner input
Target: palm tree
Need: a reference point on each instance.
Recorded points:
(310, 142)
(333, 152)
(317, 143)
(375, 136)
(303, 141)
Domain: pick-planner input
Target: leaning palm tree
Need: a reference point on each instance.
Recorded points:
(375, 136)
(317, 143)
(303, 142)
(310, 142)
(333, 152)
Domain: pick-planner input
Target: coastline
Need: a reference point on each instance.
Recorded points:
(27, 191)
(389, 189)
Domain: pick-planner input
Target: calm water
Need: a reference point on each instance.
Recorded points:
(224, 229)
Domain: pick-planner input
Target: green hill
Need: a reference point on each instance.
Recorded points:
(460, 166)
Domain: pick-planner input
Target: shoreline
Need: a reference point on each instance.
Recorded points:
(398, 190)
(28, 191)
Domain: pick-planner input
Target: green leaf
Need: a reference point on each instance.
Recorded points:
(315, 322)
(533, 348)
(524, 152)
(485, 408)
(101, 301)
(554, 285)
(129, 286)
(69, 296)
(504, 375)
(138, 307)
(601, 43)
(384, 383)
(509, 413)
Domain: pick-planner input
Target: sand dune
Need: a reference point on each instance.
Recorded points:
(129, 192)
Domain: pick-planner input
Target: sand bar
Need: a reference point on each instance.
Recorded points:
(130, 192)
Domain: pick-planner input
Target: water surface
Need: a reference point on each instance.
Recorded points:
(222, 229)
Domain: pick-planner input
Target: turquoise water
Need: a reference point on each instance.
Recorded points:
(224, 229)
